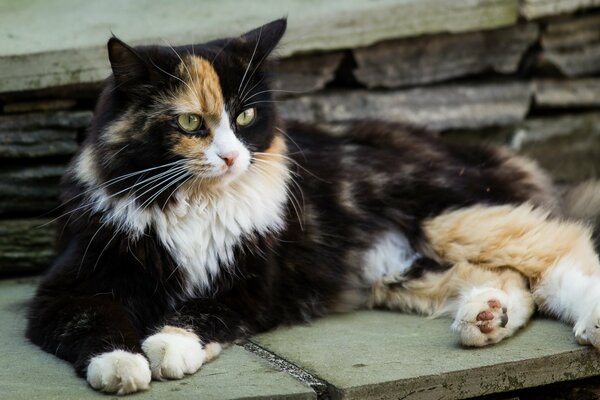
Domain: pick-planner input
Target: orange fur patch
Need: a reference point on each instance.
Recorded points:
(524, 238)
(202, 93)
(178, 331)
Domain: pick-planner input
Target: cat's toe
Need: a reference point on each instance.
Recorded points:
(482, 318)
(119, 372)
(174, 353)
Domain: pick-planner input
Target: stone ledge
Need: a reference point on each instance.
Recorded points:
(30, 58)
(27, 373)
(385, 355)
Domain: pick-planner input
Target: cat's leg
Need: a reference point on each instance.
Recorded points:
(569, 293)
(493, 310)
(557, 256)
(487, 305)
(191, 337)
(95, 334)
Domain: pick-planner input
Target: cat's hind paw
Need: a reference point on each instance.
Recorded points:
(119, 372)
(587, 330)
(482, 317)
(175, 352)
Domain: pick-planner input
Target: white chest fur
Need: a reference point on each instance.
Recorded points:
(202, 234)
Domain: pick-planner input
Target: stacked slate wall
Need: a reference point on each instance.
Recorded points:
(533, 86)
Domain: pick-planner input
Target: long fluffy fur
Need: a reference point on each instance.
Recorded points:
(166, 251)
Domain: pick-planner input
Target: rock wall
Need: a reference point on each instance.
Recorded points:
(533, 86)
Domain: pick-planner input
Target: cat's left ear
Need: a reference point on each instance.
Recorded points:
(263, 40)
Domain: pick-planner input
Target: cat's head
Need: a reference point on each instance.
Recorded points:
(183, 115)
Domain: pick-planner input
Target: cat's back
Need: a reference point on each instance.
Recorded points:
(395, 161)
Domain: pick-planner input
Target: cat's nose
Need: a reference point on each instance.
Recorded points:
(229, 158)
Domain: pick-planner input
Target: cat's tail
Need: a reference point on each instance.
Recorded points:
(583, 202)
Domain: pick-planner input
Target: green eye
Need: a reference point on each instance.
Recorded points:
(246, 117)
(189, 122)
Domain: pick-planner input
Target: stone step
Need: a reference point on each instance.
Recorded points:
(27, 373)
(385, 355)
(362, 355)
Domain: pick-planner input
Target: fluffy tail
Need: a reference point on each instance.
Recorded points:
(583, 202)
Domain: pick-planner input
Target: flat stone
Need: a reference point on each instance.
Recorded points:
(572, 93)
(39, 105)
(26, 245)
(31, 189)
(573, 45)
(305, 74)
(568, 147)
(434, 58)
(385, 355)
(38, 143)
(56, 119)
(436, 108)
(531, 9)
(27, 373)
(75, 52)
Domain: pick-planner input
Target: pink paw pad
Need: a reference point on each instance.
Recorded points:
(485, 318)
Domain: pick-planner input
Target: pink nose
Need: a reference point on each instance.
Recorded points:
(229, 158)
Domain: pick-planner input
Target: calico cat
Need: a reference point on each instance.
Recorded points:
(195, 217)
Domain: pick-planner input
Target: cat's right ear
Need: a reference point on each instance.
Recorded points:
(128, 67)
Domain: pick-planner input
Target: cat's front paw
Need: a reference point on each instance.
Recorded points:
(119, 372)
(175, 352)
(482, 317)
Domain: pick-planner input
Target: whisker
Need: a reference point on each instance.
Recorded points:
(102, 186)
(251, 59)
(272, 91)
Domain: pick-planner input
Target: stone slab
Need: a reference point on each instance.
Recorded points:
(568, 147)
(385, 355)
(572, 93)
(29, 189)
(531, 9)
(573, 45)
(74, 52)
(434, 58)
(26, 245)
(303, 74)
(437, 108)
(27, 373)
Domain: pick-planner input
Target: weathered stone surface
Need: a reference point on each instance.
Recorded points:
(40, 105)
(574, 93)
(28, 373)
(531, 9)
(568, 147)
(75, 52)
(436, 108)
(385, 355)
(427, 59)
(41, 134)
(26, 245)
(59, 119)
(29, 189)
(573, 45)
(304, 74)
(39, 143)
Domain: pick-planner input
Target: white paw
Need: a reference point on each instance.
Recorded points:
(587, 330)
(174, 352)
(119, 372)
(482, 317)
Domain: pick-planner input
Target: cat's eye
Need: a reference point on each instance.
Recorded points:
(189, 122)
(246, 117)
